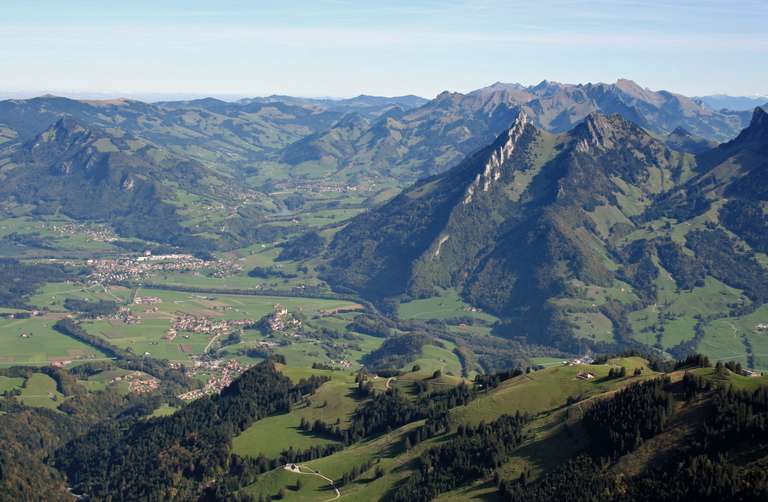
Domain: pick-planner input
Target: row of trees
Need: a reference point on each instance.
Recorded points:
(620, 424)
(471, 454)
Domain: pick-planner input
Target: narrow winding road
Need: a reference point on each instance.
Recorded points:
(313, 472)
(205, 350)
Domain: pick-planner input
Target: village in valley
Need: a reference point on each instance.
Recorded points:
(131, 268)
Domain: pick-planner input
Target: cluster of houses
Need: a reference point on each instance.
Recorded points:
(205, 325)
(579, 361)
(138, 383)
(93, 232)
(281, 320)
(125, 316)
(323, 186)
(147, 300)
(131, 268)
(220, 375)
(342, 363)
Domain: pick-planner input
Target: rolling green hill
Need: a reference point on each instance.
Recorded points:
(89, 174)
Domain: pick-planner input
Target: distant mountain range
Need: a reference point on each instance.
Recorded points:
(738, 103)
(230, 148)
(433, 137)
(557, 233)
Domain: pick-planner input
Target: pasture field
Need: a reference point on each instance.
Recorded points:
(435, 358)
(10, 383)
(269, 436)
(724, 339)
(52, 296)
(386, 449)
(333, 401)
(40, 228)
(737, 381)
(593, 326)
(548, 361)
(446, 306)
(40, 391)
(42, 345)
(227, 306)
(676, 311)
(269, 484)
(547, 389)
(163, 411)
(146, 336)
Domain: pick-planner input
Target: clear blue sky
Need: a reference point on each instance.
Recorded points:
(344, 48)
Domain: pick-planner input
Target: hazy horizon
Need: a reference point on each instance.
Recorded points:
(342, 48)
(151, 97)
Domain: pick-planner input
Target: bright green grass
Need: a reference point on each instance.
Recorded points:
(366, 344)
(543, 390)
(723, 338)
(52, 295)
(440, 307)
(721, 342)
(737, 381)
(271, 435)
(524, 394)
(406, 382)
(92, 385)
(147, 336)
(40, 391)
(333, 401)
(5, 310)
(269, 484)
(242, 306)
(592, 326)
(548, 361)
(10, 383)
(163, 411)
(43, 346)
(437, 358)
(682, 306)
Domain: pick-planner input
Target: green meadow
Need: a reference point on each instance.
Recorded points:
(41, 345)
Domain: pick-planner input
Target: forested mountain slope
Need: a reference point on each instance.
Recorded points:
(560, 234)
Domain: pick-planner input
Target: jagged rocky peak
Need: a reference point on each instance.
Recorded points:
(598, 131)
(680, 131)
(502, 151)
(759, 118)
(757, 132)
(64, 130)
(64, 135)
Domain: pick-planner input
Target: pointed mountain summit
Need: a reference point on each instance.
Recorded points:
(757, 131)
(515, 226)
(64, 139)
